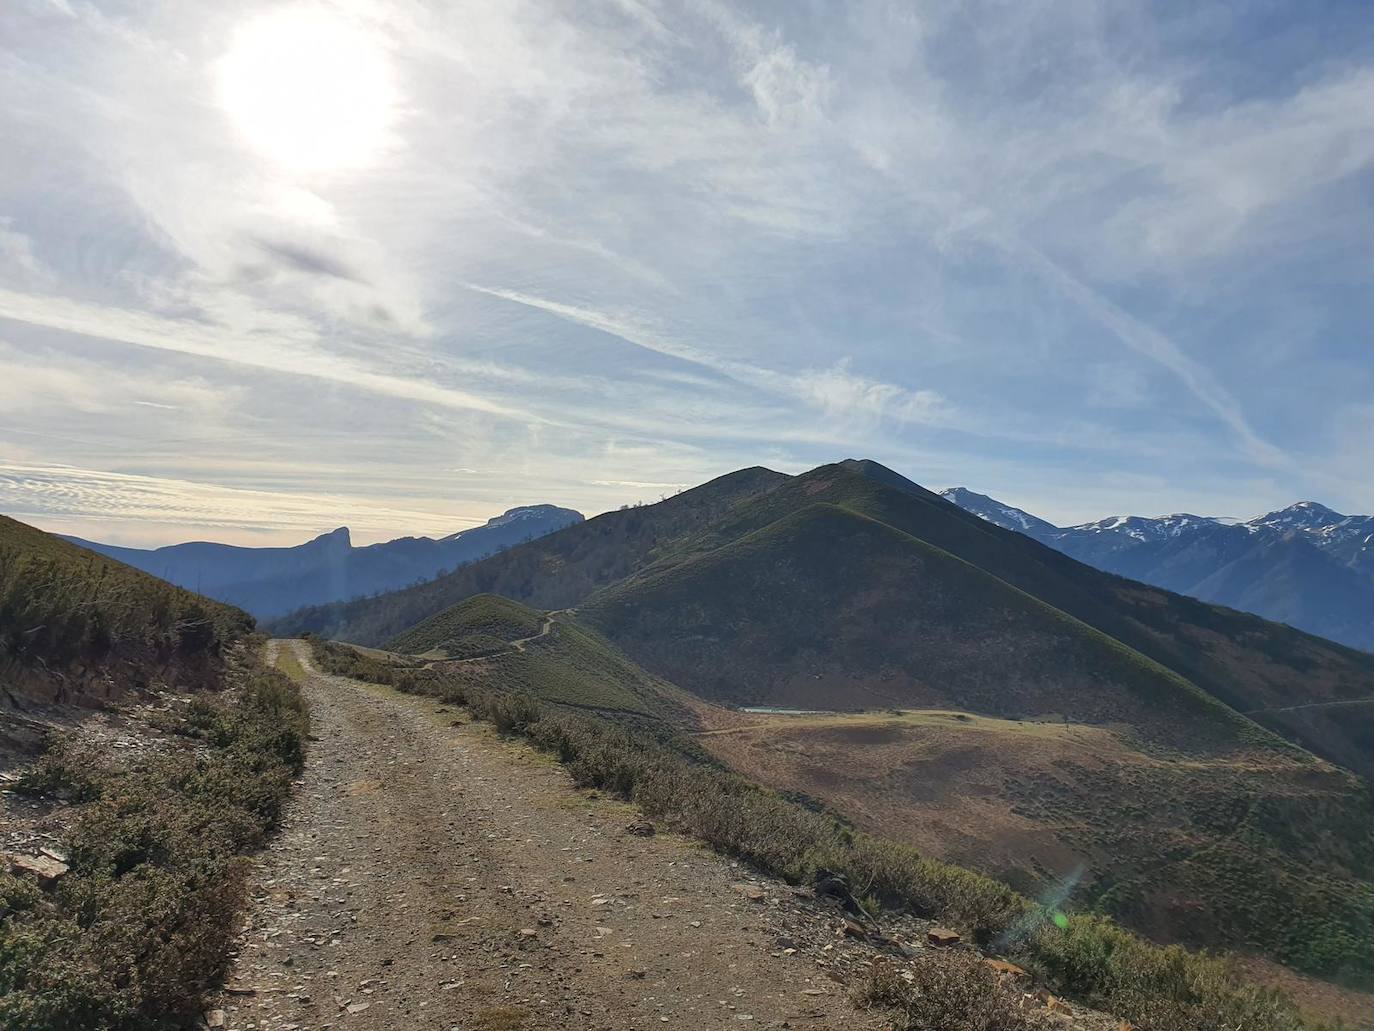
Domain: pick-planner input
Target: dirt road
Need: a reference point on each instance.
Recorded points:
(432, 875)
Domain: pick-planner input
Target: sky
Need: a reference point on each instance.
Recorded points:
(271, 268)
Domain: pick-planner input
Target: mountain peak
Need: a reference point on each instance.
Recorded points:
(338, 538)
(540, 518)
(1304, 515)
(998, 513)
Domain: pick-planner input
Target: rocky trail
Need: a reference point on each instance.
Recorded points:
(431, 874)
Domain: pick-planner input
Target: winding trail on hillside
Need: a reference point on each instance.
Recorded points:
(433, 875)
(544, 630)
(1339, 703)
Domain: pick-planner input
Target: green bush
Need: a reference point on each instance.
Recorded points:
(140, 928)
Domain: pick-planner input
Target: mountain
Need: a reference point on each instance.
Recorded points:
(552, 572)
(271, 581)
(963, 687)
(1253, 666)
(1305, 565)
(996, 512)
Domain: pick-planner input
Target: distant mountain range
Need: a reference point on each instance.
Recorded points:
(981, 695)
(269, 582)
(1305, 565)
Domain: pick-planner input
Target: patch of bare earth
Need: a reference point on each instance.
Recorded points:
(431, 874)
(1320, 998)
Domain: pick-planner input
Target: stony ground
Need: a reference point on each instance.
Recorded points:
(432, 875)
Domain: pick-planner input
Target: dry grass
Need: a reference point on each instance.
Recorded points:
(941, 993)
(935, 779)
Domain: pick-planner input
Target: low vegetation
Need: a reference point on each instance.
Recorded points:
(937, 993)
(139, 929)
(486, 617)
(62, 606)
(1159, 989)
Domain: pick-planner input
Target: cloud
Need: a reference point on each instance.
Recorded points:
(1160, 349)
(18, 262)
(836, 391)
(686, 237)
(306, 259)
(297, 354)
(55, 494)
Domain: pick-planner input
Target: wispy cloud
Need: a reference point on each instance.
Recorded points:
(609, 248)
(60, 494)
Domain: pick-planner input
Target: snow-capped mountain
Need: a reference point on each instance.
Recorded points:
(1307, 565)
(996, 512)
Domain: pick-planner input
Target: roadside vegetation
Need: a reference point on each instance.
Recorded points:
(61, 605)
(950, 991)
(138, 931)
(1088, 957)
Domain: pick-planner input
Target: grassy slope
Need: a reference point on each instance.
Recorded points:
(483, 618)
(66, 611)
(826, 608)
(570, 665)
(1247, 662)
(553, 572)
(1258, 843)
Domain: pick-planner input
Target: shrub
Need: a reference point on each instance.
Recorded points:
(140, 928)
(939, 993)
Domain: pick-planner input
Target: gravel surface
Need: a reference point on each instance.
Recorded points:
(431, 874)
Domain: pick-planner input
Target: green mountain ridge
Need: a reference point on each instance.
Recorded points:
(832, 609)
(851, 588)
(552, 572)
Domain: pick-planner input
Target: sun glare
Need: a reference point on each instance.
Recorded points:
(308, 89)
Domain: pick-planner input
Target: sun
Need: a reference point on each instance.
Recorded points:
(308, 89)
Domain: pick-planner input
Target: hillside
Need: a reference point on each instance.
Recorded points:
(271, 581)
(79, 627)
(1248, 663)
(550, 573)
(829, 609)
(497, 644)
(1248, 851)
(144, 752)
(1041, 802)
(849, 588)
(481, 623)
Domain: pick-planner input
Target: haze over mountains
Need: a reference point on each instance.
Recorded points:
(1305, 565)
(269, 582)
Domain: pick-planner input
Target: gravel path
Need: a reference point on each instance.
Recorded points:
(432, 875)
